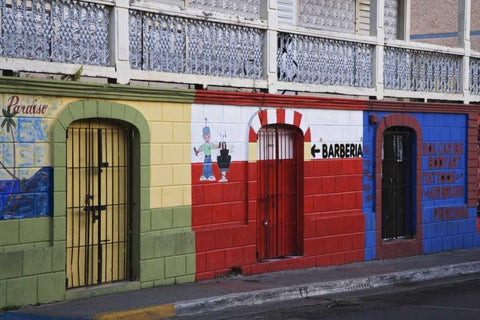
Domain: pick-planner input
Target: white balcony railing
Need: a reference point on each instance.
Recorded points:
(425, 71)
(154, 41)
(55, 30)
(181, 45)
(315, 60)
(474, 76)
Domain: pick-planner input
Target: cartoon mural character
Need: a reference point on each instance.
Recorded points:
(206, 148)
(223, 161)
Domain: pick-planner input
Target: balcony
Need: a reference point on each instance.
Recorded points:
(250, 44)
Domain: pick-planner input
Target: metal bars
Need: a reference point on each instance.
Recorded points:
(55, 30)
(98, 219)
(180, 45)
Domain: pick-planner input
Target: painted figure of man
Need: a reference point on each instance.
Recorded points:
(206, 148)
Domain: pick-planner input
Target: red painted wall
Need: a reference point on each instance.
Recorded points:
(224, 218)
(334, 222)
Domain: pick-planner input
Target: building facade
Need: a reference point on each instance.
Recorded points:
(205, 139)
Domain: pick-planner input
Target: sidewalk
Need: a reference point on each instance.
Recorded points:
(218, 294)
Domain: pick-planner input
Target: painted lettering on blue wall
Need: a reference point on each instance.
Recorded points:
(27, 109)
(443, 178)
(442, 148)
(437, 193)
(342, 150)
(367, 175)
(450, 213)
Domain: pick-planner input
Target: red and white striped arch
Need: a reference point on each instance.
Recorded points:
(278, 116)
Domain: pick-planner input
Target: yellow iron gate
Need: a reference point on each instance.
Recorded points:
(98, 206)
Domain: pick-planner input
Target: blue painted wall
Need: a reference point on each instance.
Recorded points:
(447, 222)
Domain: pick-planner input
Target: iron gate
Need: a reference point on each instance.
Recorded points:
(397, 186)
(98, 207)
(280, 176)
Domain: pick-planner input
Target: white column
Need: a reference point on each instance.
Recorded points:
(270, 13)
(464, 17)
(377, 23)
(119, 41)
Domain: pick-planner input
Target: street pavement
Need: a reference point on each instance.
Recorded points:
(442, 299)
(243, 291)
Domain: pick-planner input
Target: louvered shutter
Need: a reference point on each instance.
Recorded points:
(362, 24)
(287, 11)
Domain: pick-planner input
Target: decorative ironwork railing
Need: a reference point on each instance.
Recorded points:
(391, 18)
(414, 70)
(332, 15)
(55, 30)
(475, 76)
(249, 9)
(181, 45)
(313, 60)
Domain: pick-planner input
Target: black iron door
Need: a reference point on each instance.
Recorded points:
(98, 210)
(397, 188)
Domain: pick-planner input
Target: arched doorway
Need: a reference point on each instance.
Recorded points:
(98, 202)
(398, 183)
(280, 181)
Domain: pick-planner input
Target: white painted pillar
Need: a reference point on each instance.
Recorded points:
(377, 29)
(464, 18)
(119, 41)
(270, 13)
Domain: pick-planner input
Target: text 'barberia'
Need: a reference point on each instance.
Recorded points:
(338, 150)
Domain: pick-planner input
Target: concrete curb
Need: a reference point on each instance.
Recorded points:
(255, 298)
(259, 297)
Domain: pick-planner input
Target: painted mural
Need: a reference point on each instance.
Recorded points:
(25, 173)
(223, 158)
(225, 215)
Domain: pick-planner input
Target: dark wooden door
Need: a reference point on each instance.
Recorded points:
(397, 187)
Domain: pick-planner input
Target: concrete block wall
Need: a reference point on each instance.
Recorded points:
(32, 264)
(334, 222)
(32, 251)
(447, 221)
(31, 270)
(167, 242)
(225, 230)
(224, 215)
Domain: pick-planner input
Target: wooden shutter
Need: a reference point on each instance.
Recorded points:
(362, 23)
(287, 11)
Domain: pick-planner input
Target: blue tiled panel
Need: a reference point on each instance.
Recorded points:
(27, 198)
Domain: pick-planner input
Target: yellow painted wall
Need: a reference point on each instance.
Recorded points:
(170, 132)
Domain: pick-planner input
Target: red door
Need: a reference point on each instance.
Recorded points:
(280, 178)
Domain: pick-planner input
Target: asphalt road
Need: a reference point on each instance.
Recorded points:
(454, 298)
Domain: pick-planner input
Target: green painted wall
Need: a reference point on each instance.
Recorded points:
(31, 269)
(32, 251)
(167, 247)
